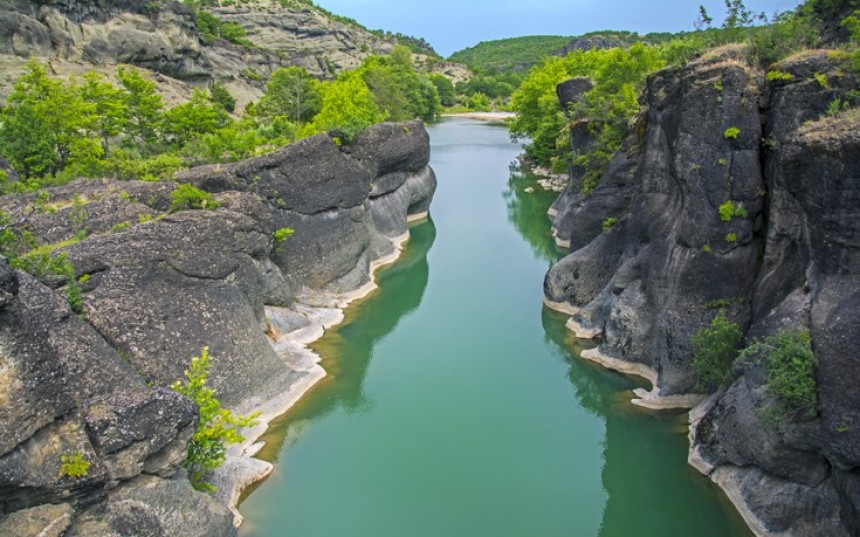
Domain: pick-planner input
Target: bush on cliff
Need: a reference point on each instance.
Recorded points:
(715, 349)
(617, 74)
(188, 197)
(217, 428)
(790, 364)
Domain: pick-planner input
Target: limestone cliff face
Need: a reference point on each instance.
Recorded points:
(647, 284)
(79, 35)
(160, 287)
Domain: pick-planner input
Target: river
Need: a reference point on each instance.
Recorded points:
(456, 404)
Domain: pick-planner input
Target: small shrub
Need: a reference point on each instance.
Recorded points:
(41, 263)
(74, 465)
(715, 349)
(779, 76)
(282, 234)
(731, 133)
(706, 248)
(188, 197)
(821, 78)
(608, 223)
(790, 365)
(122, 226)
(722, 162)
(727, 210)
(732, 238)
(217, 428)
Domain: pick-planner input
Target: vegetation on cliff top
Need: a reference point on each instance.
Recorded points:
(54, 130)
(619, 75)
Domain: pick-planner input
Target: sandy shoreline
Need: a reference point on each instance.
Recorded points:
(241, 469)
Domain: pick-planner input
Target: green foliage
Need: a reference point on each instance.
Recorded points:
(608, 223)
(291, 93)
(478, 102)
(221, 96)
(188, 197)
(144, 108)
(727, 211)
(852, 24)
(790, 364)
(706, 248)
(192, 119)
(617, 75)
(715, 349)
(111, 110)
(732, 238)
(821, 78)
(217, 428)
(507, 54)
(731, 133)
(212, 28)
(251, 74)
(781, 76)
(493, 84)
(397, 88)
(46, 125)
(282, 234)
(445, 89)
(730, 209)
(348, 106)
(74, 465)
(41, 262)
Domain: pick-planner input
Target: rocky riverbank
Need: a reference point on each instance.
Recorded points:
(157, 287)
(655, 258)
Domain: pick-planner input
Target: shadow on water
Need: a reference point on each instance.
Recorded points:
(527, 212)
(366, 323)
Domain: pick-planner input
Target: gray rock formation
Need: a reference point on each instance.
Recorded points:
(789, 259)
(157, 288)
(161, 36)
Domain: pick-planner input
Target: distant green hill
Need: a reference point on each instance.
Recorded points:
(519, 53)
(513, 53)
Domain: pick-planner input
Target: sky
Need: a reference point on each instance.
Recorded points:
(451, 25)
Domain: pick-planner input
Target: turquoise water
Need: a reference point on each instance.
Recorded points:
(456, 404)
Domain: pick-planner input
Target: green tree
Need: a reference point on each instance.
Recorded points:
(398, 89)
(220, 95)
(197, 117)
(217, 428)
(290, 92)
(445, 89)
(347, 105)
(143, 108)
(715, 349)
(45, 124)
(110, 107)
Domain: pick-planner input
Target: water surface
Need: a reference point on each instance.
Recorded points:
(456, 405)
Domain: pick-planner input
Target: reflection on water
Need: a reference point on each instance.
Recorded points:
(527, 212)
(347, 350)
(457, 406)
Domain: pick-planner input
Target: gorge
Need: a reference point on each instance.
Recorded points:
(407, 372)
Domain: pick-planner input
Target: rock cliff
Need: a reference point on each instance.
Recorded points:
(75, 36)
(719, 130)
(158, 287)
